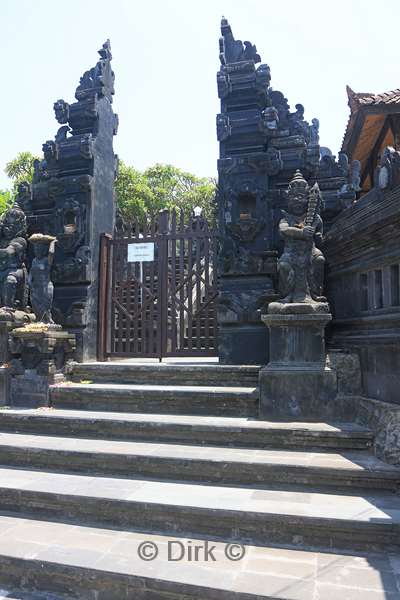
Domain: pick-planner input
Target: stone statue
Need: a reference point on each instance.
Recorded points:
(301, 266)
(13, 274)
(40, 284)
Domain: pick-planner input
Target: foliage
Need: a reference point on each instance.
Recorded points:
(6, 200)
(139, 194)
(145, 193)
(134, 195)
(21, 168)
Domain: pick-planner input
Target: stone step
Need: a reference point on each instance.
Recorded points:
(260, 517)
(179, 374)
(105, 564)
(197, 430)
(201, 464)
(190, 400)
(20, 594)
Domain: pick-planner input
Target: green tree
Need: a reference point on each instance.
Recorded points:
(6, 200)
(21, 168)
(133, 194)
(145, 193)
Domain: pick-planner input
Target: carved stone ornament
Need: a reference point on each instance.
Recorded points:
(231, 50)
(274, 161)
(246, 229)
(389, 169)
(224, 128)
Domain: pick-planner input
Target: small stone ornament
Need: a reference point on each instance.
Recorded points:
(40, 284)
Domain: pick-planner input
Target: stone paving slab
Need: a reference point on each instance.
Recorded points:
(234, 466)
(263, 572)
(185, 399)
(187, 429)
(382, 508)
(234, 422)
(357, 461)
(201, 374)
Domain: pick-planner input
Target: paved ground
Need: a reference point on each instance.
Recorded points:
(278, 572)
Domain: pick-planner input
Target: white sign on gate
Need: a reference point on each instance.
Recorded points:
(141, 252)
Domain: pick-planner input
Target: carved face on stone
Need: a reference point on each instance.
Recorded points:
(13, 224)
(298, 195)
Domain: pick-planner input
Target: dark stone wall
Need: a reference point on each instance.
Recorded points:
(362, 249)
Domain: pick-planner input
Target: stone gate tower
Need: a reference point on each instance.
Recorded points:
(72, 198)
(262, 144)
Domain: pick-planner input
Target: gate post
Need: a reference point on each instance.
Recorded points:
(104, 295)
(163, 227)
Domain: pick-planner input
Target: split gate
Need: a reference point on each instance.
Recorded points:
(158, 289)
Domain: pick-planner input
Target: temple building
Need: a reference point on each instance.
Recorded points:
(374, 123)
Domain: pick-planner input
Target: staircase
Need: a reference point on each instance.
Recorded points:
(147, 458)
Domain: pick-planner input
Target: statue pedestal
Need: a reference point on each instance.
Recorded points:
(9, 321)
(297, 384)
(38, 359)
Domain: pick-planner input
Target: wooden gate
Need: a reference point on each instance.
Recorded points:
(158, 289)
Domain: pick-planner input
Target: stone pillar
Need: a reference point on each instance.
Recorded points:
(38, 359)
(297, 384)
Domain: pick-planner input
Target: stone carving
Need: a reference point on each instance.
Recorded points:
(13, 274)
(301, 266)
(231, 50)
(271, 118)
(274, 162)
(343, 163)
(61, 110)
(40, 284)
(314, 132)
(388, 172)
(100, 78)
(23, 201)
(224, 128)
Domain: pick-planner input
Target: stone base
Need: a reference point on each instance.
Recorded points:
(39, 354)
(302, 393)
(241, 343)
(298, 308)
(297, 384)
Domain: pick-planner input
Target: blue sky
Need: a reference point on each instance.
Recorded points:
(166, 58)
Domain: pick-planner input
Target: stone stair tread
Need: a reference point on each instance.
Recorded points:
(185, 364)
(343, 461)
(161, 388)
(380, 508)
(196, 421)
(265, 572)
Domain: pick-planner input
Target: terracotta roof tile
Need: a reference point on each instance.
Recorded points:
(362, 99)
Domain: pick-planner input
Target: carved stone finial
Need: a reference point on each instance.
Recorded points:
(231, 50)
(100, 79)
